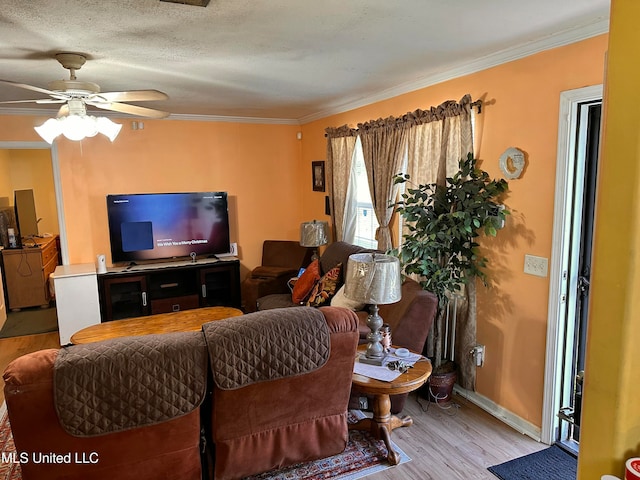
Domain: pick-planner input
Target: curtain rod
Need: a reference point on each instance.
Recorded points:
(477, 104)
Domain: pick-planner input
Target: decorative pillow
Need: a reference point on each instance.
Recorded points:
(305, 283)
(325, 288)
(340, 300)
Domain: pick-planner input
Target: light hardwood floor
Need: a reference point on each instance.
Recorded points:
(455, 444)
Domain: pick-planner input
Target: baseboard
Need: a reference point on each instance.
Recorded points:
(514, 421)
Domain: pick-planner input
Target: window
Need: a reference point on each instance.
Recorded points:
(360, 222)
(360, 219)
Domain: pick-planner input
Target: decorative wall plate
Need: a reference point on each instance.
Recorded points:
(512, 163)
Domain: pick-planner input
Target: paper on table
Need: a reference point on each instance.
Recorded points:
(373, 371)
(383, 373)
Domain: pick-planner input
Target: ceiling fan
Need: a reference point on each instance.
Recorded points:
(76, 95)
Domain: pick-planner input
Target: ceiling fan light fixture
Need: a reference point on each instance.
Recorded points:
(77, 127)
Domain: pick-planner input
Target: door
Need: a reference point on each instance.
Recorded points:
(575, 194)
(220, 285)
(583, 212)
(125, 297)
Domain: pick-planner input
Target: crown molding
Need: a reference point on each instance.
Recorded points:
(41, 112)
(566, 37)
(222, 118)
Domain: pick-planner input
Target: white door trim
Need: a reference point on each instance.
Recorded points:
(569, 101)
(57, 186)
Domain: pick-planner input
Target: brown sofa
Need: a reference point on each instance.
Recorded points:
(165, 450)
(410, 319)
(265, 424)
(281, 260)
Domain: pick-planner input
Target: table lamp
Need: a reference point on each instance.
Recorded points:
(314, 234)
(373, 279)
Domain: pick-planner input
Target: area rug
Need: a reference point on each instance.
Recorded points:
(363, 456)
(552, 463)
(8, 470)
(30, 321)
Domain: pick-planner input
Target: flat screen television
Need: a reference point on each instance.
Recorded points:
(157, 226)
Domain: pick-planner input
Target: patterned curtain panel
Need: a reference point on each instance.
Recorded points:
(438, 138)
(341, 142)
(383, 146)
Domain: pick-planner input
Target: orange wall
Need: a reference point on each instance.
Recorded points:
(258, 165)
(521, 110)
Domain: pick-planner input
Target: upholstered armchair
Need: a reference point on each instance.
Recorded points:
(281, 260)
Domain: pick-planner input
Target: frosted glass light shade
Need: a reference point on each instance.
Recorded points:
(314, 234)
(373, 278)
(108, 128)
(49, 130)
(77, 127)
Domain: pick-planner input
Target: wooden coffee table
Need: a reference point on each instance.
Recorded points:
(184, 321)
(383, 423)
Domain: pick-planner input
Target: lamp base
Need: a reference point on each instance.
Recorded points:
(372, 361)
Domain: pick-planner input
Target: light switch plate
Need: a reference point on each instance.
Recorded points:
(538, 266)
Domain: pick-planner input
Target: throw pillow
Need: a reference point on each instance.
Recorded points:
(340, 300)
(305, 283)
(325, 288)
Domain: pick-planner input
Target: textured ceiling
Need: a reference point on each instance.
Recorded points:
(278, 59)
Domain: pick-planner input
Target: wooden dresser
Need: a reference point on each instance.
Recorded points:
(27, 271)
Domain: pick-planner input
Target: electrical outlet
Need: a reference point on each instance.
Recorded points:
(478, 355)
(538, 266)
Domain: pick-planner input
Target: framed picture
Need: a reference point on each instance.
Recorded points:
(317, 170)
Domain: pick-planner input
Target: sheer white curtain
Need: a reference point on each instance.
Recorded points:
(350, 218)
(340, 144)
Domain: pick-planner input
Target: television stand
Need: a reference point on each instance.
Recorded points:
(149, 289)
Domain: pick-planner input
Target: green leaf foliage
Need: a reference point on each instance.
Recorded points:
(443, 222)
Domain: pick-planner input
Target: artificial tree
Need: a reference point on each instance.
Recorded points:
(442, 226)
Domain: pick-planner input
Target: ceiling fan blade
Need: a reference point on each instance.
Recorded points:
(131, 96)
(130, 109)
(28, 87)
(41, 100)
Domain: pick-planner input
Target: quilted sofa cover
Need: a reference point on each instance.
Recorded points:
(127, 383)
(266, 346)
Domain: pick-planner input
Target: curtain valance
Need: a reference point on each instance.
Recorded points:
(343, 131)
(447, 109)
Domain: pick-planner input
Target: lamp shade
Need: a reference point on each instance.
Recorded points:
(314, 234)
(373, 278)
